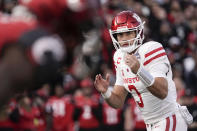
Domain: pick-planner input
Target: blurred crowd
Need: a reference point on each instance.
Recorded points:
(69, 47)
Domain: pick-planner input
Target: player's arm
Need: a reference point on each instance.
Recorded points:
(156, 84)
(159, 88)
(118, 96)
(115, 97)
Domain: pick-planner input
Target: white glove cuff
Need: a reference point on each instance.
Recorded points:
(186, 114)
(145, 76)
(107, 94)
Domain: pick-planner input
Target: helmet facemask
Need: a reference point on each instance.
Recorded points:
(137, 41)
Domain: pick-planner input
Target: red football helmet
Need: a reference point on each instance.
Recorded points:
(127, 21)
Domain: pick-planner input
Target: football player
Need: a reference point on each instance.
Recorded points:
(143, 69)
(14, 66)
(26, 54)
(61, 17)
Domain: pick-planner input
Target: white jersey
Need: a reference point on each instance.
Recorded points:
(153, 58)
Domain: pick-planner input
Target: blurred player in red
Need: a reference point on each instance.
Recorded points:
(87, 108)
(133, 117)
(25, 114)
(20, 57)
(59, 109)
(15, 69)
(6, 121)
(112, 118)
(66, 18)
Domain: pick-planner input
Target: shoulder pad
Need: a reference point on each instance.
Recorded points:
(151, 45)
(152, 52)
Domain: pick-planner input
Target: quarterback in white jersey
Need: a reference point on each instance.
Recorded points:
(144, 71)
(152, 57)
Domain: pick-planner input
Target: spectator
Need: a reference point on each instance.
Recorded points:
(112, 118)
(59, 110)
(87, 107)
(133, 117)
(27, 114)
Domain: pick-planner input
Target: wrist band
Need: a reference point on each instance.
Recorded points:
(145, 76)
(107, 94)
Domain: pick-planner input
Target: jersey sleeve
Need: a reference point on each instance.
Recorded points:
(155, 59)
(159, 70)
(119, 79)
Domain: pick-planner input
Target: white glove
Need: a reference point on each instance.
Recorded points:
(186, 115)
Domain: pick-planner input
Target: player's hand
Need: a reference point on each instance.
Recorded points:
(132, 62)
(101, 84)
